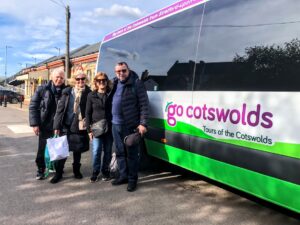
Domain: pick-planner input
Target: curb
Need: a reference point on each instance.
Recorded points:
(17, 106)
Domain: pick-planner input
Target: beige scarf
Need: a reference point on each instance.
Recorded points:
(78, 94)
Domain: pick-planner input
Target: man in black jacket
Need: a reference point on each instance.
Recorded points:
(41, 113)
(129, 114)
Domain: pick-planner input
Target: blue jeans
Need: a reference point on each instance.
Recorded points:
(127, 158)
(102, 143)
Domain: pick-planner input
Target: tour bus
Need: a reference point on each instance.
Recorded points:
(223, 80)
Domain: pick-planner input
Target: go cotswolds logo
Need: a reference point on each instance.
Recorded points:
(244, 115)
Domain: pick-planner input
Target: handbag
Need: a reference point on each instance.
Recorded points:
(99, 128)
(58, 148)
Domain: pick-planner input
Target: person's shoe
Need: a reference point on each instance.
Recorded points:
(76, 171)
(56, 178)
(78, 175)
(119, 181)
(40, 174)
(105, 178)
(94, 177)
(131, 187)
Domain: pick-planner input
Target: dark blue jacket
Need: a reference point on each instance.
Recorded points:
(135, 102)
(42, 107)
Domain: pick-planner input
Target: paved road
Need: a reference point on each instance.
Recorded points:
(162, 197)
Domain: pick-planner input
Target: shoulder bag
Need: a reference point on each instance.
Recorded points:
(99, 128)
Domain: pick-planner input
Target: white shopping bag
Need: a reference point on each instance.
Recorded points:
(58, 148)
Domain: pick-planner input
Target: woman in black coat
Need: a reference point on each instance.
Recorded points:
(98, 108)
(70, 119)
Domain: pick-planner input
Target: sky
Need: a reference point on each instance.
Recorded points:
(34, 30)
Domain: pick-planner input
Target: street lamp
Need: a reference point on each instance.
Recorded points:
(6, 47)
(58, 50)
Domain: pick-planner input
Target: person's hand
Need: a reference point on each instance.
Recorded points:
(36, 130)
(142, 129)
(91, 136)
(56, 132)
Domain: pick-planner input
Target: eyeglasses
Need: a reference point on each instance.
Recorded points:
(101, 80)
(123, 71)
(80, 78)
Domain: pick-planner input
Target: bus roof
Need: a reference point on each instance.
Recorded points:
(158, 15)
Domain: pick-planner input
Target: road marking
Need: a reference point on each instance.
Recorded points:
(20, 129)
(13, 155)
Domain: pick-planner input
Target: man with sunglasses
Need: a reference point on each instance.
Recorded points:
(42, 109)
(129, 115)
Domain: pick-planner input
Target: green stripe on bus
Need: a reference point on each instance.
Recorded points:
(280, 148)
(265, 187)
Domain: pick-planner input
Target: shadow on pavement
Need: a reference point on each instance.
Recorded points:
(166, 195)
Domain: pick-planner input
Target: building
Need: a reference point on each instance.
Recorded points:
(28, 79)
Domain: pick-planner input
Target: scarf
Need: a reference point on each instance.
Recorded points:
(78, 93)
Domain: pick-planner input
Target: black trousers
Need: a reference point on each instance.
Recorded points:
(60, 164)
(40, 156)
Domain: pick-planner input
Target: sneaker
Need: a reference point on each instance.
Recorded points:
(56, 178)
(105, 178)
(40, 174)
(119, 181)
(94, 178)
(131, 186)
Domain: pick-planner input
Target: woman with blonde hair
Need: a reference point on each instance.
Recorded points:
(70, 119)
(98, 117)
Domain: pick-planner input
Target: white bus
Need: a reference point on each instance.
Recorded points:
(223, 79)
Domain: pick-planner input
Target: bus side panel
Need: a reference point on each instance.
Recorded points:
(268, 188)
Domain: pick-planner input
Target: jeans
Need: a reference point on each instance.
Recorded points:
(102, 143)
(127, 157)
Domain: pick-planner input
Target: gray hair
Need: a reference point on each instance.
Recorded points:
(58, 71)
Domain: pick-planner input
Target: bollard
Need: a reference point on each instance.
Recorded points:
(4, 103)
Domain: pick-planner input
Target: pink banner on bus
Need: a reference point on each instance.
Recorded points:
(165, 12)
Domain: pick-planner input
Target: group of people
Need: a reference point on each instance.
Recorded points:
(122, 103)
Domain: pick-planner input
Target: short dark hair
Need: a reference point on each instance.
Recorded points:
(122, 64)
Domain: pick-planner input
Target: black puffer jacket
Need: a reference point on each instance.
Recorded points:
(135, 102)
(98, 107)
(78, 139)
(42, 107)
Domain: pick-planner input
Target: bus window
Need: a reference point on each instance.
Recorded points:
(240, 51)
(163, 52)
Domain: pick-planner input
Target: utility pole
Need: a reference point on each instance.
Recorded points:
(6, 47)
(67, 58)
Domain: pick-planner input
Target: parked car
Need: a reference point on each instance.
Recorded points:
(11, 96)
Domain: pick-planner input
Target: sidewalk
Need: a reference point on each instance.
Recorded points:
(18, 106)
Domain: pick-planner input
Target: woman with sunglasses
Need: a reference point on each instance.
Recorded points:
(70, 119)
(98, 108)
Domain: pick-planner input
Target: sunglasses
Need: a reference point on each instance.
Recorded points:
(101, 80)
(123, 71)
(81, 78)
